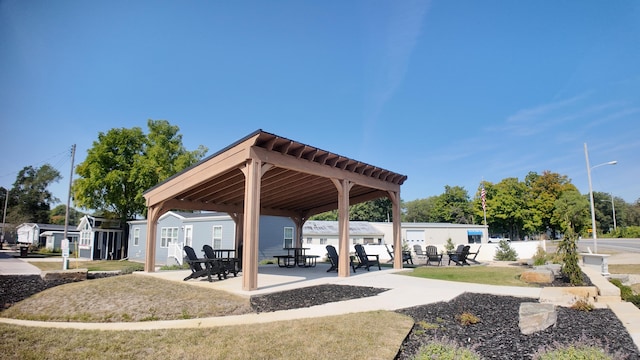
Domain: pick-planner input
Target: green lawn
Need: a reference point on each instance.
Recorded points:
(97, 265)
(491, 275)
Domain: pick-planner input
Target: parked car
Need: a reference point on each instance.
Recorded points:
(497, 238)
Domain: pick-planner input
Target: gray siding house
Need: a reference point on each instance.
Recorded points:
(53, 239)
(176, 229)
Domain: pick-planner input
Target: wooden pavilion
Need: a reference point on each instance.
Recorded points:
(267, 174)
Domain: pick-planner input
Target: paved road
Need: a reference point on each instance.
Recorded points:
(10, 265)
(612, 245)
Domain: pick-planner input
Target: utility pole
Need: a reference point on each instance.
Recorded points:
(4, 216)
(65, 241)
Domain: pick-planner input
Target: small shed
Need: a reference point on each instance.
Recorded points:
(101, 239)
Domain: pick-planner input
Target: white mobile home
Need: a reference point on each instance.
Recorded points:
(30, 233)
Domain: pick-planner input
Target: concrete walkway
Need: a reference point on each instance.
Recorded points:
(404, 291)
(10, 265)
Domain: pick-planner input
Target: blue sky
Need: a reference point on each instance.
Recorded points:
(445, 92)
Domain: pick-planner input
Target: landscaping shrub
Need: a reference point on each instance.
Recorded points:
(449, 245)
(445, 350)
(626, 293)
(505, 252)
(582, 349)
(568, 249)
(540, 257)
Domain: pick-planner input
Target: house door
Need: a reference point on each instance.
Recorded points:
(188, 235)
(415, 237)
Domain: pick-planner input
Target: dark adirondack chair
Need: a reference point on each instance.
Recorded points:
(460, 258)
(472, 255)
(365, 260)
(199, 267)
(433, 256)
(333, 258)
(220, 267)
(406, 255)
(419, 253)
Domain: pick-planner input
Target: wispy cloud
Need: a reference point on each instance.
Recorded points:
(400, 34)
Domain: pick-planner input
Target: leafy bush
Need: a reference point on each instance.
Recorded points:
(582, 305)
(630, 232)
(184, 266)
(49, 251)
(626, 293)
(505, 252)
(467, 318)
(540, 257)
(582, 349)
(574, 352)
(445, 350)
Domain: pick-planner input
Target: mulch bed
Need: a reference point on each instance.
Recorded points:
(496, 336)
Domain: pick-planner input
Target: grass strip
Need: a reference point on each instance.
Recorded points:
(379, 335)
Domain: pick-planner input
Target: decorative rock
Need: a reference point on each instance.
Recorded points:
(536, 317)
(555, 268)
(538, 276)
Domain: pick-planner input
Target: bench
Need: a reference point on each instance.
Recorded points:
(286, 260)
(309, 260)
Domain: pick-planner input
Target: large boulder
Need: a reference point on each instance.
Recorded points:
(536, 317)
(542, 276)
(555, 268)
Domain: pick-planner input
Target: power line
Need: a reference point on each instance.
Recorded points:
(61, 159)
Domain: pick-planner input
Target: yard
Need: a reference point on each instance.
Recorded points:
(137, 298)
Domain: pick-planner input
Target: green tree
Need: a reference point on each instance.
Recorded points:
(326, 216)
(544, 190)
(58, 214)
(571, 212)
(29, 199)
(506, 207)
(123, 163)
(419, 210)
(377, 210)
(453, 206)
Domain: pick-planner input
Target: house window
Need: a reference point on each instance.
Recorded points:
(288, 237)
(168, 235)
(85, 237)
(136, 237)
(323, 241)
(368, 241)
(188, 235)
(217, 237)
(309, 240)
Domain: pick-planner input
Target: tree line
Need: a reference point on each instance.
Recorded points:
(542, 205)
(121, 164)
(124, 162)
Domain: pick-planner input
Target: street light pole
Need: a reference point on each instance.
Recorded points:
(593, 213)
